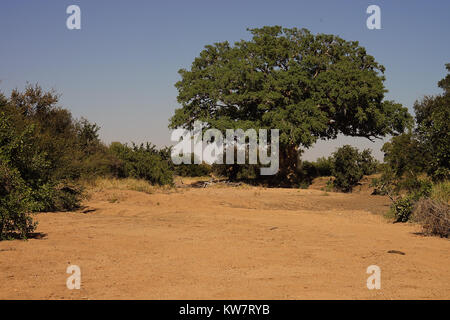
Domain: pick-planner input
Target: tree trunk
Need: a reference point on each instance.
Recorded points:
(289, 158)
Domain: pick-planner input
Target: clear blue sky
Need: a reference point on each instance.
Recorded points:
(119, 70)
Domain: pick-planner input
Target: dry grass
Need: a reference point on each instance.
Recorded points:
(441, 192)
(100, 184)
(434, 216)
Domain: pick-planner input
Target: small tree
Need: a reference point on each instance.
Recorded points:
(19, 158)
(347, 168)
(367, 162)
(142, 162)
(433, 130)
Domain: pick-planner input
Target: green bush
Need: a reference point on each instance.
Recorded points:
(186, 170)
(433, 130)
(193, 170)
(367, 162)
(142, 162)
(19, 159)
(15, 204)
(62, 196)
(349, 166)
(424, 149)
(403, 207)
(324, 166)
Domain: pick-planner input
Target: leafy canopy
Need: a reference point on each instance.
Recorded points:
(349, 166)
(308, 86)
(433, 129)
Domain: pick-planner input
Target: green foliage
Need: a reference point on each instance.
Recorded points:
(433, 130)
(186, 170)
(441, 191)
(52, 146)
(416, 153)
(41, 151)
(193, 170)
(349, 166)
(404, 205)
(404, 155)
(307, 86)
(234, 172)
(346, 169)
(308, 170)
(15, 203)
(367, 162)
(324, 166)
(402, 208)
(19, 159)
(58, 196)
(142, 162)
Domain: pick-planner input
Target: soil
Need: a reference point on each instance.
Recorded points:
(224, 242)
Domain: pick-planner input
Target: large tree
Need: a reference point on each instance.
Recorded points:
(308, 86)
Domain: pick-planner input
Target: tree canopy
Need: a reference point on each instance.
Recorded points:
(307, 86)
(433, 129)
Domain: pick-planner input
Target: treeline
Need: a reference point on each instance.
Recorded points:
(347, 165)
(416, 168)
(44, 151)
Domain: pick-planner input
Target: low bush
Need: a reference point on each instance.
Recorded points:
(16, 202)
(434, 216)
(346, 169)
(402, 208)
(142, 162)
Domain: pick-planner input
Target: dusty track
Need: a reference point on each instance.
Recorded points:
(223, 243)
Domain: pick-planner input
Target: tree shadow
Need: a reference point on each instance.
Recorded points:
(18, 236)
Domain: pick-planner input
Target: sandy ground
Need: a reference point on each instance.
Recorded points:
(226, 243)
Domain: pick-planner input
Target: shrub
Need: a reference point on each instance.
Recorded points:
(46, 146)
(434, 216)
(188, 170)
(349, 166)
(424, 149)
(62, 196)
(367, 162)
(402, 208)
(20, 159)
(324, 166)
(15, 204)
(142, 162)
(441, 191)
(346, 168)
(433, 127)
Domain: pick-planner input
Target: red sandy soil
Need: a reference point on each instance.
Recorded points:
(226, 243)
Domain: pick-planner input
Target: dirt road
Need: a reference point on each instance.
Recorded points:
(223, 243)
